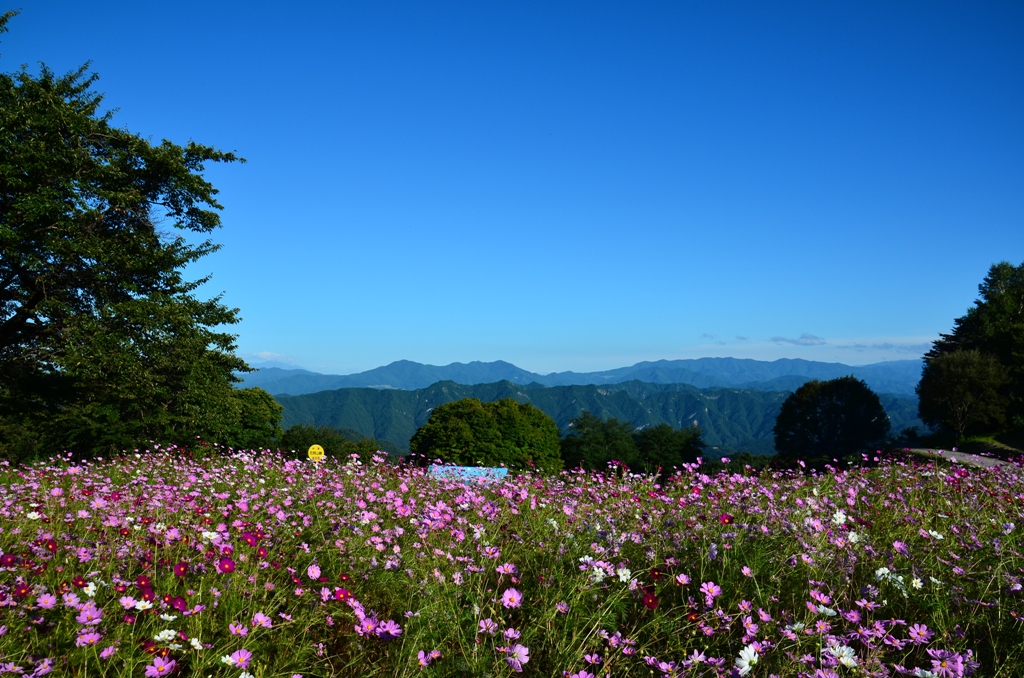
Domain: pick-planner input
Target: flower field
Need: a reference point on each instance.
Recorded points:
(252, 564)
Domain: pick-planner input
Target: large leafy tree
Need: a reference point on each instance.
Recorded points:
(103, 343)
(825, 419)
(993, 327)
(960, 389)
(593, 442)
(664, 447)
(472, 433)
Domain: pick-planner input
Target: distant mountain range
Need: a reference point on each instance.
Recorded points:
(896, 377)
(732, 419)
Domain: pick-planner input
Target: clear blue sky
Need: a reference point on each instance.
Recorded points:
(579, 185)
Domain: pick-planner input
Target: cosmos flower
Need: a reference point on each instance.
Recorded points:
(517, 656)
(238, 659)
(919, 634)
(745, 662)
(511, 598)
(160, 667)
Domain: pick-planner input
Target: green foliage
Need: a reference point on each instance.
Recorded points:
(300, 438)
(960, 390)
(838, 418)
(994, 327)
(663, 447)
(337, 443)
(593, 442)
(471, 433)
(103, 343)
(255, 420)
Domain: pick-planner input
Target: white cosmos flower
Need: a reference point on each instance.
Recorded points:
(748, 657)
(845, 654)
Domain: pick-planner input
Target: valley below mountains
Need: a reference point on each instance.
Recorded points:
(732, 419)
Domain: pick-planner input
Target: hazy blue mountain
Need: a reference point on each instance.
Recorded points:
(899, 377)
(732, 419)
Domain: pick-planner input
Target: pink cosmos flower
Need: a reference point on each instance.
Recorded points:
(919, 634)
(388, 630)
(710, 589)
(241, 658)
(89, 615)
(90, 638)
(108, 652)
(238, 630)
(511, 598)
(517, 656)
(260, 619)
(46, 601)
(313, 571)
(160, 667)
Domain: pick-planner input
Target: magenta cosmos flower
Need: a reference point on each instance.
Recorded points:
(226, 565)
(517, 656)
(160, 667)
(511, 598)
(240, 659)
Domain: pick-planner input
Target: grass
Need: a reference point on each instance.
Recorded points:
(254, 564)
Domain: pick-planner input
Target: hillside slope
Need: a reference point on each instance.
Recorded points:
(732, 419)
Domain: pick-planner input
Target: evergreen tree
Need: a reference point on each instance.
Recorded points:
(103, 343)
(993, 327)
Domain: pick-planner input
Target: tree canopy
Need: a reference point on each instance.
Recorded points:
(336, 443)
(960, 390)
(835, 418)
(104, 344)
(505, 432)
(592, 443)
(994, 327)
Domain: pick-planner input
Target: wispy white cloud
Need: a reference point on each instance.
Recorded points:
(270, 357)
(804, 340)
(910, 348)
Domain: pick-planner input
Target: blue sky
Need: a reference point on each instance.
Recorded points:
(578, 185)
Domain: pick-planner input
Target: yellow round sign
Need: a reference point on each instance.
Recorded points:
(316, 453)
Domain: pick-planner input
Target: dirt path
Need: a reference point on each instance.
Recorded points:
(961, 457)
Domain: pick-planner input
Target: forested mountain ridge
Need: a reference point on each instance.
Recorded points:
(732, 419)
(898, 377)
